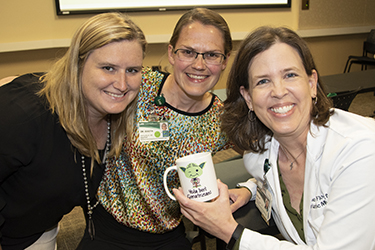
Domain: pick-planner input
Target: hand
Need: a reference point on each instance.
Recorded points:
(239, 197)
(214, 217)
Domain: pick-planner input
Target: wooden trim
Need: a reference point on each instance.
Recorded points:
(164, 38)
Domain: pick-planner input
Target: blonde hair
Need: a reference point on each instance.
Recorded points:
(63, 86)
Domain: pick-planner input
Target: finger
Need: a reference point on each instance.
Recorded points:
(180, 197)
(235, 206)
(190, 206)
(223, 190)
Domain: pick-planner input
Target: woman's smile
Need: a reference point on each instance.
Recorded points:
(283, 109)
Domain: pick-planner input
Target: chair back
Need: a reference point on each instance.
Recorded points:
(371, 36)
(369, 48)
(343, 99)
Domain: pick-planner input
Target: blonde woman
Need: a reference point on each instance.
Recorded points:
(57, 129)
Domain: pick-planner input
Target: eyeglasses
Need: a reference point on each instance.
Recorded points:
(211, 58)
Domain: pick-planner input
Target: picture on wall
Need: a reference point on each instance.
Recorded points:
(68, 7)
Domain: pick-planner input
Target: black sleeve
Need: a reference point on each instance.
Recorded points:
(18, 131)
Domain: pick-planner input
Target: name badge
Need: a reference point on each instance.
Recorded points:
(263, 201)
(153, 131)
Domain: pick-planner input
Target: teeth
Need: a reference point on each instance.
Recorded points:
(282, 110)
(115, 95)
(196, 77)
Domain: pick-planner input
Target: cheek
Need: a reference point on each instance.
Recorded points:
(179, 66)
(135, 82)
(216, 70)
(258, 99)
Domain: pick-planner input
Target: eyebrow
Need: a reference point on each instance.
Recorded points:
(105, 63)
(289, 69)
(209, 51)
(282, 71)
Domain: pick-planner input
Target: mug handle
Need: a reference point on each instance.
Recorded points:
(165, 181)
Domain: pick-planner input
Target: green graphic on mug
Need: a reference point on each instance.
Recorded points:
(193, 171)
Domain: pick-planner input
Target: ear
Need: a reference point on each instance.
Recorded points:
(171, 55)
(313, 82)
(183, 169)
(225, 62)
(202, 165)
(246, 95)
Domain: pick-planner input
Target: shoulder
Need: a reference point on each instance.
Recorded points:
(149, 76)
(349, 125)
(215, 107)
(19, 101)
(347, 140)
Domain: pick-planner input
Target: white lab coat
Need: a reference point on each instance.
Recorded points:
(339, 188)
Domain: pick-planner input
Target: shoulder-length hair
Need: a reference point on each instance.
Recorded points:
(252, 135)
(63, 85)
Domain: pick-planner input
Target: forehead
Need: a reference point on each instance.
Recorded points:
(278, 56)
(201, 37)
(125, 50)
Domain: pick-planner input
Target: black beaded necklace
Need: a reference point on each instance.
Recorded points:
(91, 228)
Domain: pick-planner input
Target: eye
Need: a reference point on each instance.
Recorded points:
(290, 75)
(263, 81)
(211, 55)
(187, 53)
(109, 68)
(133, 70)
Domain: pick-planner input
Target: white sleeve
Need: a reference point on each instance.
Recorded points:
(251, 185)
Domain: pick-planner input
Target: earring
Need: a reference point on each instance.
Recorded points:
(251, 116)
(315, 100)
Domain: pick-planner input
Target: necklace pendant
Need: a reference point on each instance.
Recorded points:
(291, 166)
(159, 100)
(91, 228)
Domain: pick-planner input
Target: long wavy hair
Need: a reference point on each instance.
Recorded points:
(63, 86)
(249, 135)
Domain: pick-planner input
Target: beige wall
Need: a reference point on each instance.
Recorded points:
(25, 26)
(25, 20)
(337, 13)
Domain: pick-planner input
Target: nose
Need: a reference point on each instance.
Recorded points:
(279, 89)
(120, 82)
(199, 62)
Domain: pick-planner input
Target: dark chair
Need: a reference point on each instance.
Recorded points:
(343, 100)
(367, 57)
(197, 235)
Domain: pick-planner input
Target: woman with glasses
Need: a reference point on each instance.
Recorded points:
(135, 211)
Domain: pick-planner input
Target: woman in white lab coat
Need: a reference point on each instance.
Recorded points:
(315, 163)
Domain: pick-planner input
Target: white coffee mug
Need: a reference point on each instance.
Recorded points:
(197, 177)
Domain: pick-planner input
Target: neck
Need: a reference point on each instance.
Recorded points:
(179, 99)
(292, 152)
(99, 130)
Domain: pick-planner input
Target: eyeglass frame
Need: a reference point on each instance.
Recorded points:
(224, 57)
